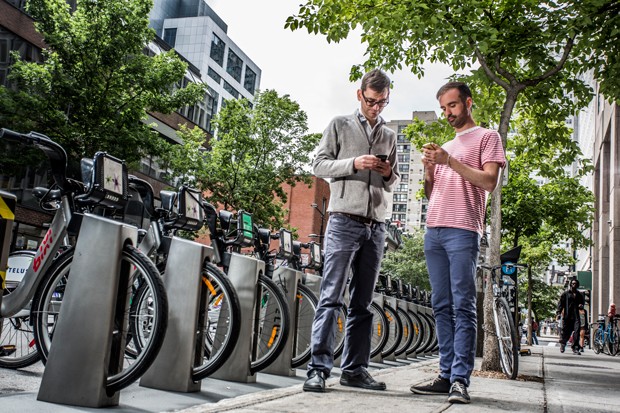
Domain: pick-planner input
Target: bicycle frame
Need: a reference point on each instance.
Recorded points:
(54, 238)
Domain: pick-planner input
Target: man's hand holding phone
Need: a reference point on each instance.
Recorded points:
(377, 163)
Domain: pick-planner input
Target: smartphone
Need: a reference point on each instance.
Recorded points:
(382, 157)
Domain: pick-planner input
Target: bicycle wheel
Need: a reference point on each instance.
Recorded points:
(427, 337)
(395, 331)
(306, 308)
(418, 333)
(341, 323)
(150, 321)
(380, 329)
(220, 319)
(17, 344)
(407, 337)
(506, 338)
(272, 323)
(597, 342)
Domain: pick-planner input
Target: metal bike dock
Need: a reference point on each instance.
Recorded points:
(379, 299)
(8, 203)
(243, 272)
(86, 349)
(287, 279)
(184, 341)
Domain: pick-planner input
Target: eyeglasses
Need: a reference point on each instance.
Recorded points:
(371, 102)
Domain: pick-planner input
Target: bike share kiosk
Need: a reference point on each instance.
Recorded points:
(243, 272)
(183, 345)
(8, 203)
(287, 278)
(87, 348)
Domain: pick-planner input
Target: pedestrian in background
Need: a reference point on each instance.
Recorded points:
(534, 332)
(583, 326)
(568, 311)
(457, 179)
(358, 153)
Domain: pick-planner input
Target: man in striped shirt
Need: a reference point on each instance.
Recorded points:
(457, 179)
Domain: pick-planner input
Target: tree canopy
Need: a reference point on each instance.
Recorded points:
(258, 148)
(96, 83)
(408, 262)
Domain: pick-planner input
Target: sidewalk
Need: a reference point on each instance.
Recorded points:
(548, 382)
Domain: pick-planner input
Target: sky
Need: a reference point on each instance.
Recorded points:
(312, 71)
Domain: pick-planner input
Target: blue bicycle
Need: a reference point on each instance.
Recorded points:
(606, 336)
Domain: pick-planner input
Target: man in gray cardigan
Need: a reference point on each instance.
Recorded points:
(358, 154)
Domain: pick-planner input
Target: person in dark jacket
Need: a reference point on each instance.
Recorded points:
(568, 310)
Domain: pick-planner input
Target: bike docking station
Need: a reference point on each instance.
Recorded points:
(287, 279)
(243, 272)
(184, 341)
(8, 203)
(87, 347)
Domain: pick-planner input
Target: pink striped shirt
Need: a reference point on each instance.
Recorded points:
(455, 202)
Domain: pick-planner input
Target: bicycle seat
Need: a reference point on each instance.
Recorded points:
(50, 194)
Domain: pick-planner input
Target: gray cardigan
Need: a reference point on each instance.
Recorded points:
(356, 192)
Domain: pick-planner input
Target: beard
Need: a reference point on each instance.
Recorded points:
(457, 121)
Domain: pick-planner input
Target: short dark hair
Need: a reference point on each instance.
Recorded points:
(464, 91)
(377, 80)
(576, 281)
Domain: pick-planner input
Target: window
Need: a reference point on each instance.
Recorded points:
(231, 90)
(250, 80)
(211, 108)
(400, 197)
(402, 187)
(403, 167)
(217, 50)
(399, 208)
(213, 75)
(4, 51)
(403, 148)
(401, 128)
(170, 36)
(404, 157)
(234, 65)
(404, 177)
(401, 139)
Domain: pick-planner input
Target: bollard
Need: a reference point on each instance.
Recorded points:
(8, 203)
(172, 369)
(287, 279)
(83, 349)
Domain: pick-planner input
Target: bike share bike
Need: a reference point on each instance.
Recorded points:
(102, 193)
(606, 335)
(508, 339)
(219, 311)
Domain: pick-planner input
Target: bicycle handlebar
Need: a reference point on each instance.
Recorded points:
(55, 153)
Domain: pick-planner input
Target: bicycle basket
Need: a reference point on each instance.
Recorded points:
(105, 181)
(315, 256)
(245, 229)
(190, 213)
(286, 244)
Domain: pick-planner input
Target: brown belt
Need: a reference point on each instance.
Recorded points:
(357, 218)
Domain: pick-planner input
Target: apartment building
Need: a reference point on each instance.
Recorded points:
(407, 211)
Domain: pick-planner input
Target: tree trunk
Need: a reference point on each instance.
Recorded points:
(480, 308)
(529, 305)
(490, 357)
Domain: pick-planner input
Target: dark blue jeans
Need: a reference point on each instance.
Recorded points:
(352, 248)
(451, 257)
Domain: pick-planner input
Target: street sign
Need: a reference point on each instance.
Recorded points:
(508, 268)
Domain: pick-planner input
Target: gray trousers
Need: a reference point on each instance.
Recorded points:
(356, 248)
